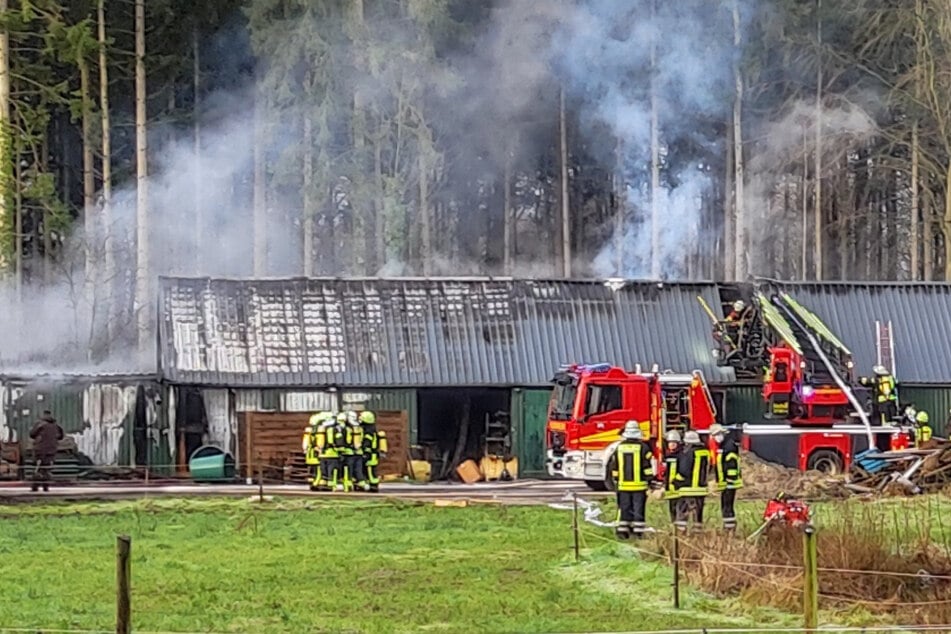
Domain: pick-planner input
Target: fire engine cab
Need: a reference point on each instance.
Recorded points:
(591, 403)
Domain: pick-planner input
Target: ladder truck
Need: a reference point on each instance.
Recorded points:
(814, 418)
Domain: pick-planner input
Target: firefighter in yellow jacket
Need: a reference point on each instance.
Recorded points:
(355, 460)
(673, 449)
(634, 472)
(312, 443)
(690, 481)
(335, 439)
(729, 478)
(922, 428)
(374, 446)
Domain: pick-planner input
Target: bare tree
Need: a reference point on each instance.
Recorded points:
(106, 212)
(143, 267)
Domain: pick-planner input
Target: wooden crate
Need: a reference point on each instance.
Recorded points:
(272, 440)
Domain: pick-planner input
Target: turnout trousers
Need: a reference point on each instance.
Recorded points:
(727, 500)
(689, 506)
(329, 473)
(632, 506)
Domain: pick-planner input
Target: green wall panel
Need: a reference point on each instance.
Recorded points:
(529, 416)
(936, 400)
(744, 404)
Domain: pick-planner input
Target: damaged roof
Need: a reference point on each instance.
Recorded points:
(920, 314)
(425, 332)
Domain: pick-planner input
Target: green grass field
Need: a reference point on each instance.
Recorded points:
(295, 566)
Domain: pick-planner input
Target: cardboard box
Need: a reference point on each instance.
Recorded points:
(421, 470)
(469, 472)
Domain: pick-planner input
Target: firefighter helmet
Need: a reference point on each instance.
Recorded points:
(716, 429)
(632, 431)
(880, 370)
(692, 438)
(673, 436)
(739, 305)
(367, 417)
(342, 417)
(922, 417)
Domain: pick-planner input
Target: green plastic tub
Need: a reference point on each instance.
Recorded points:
(211, 464)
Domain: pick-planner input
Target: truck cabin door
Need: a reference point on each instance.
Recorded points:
(603, 415)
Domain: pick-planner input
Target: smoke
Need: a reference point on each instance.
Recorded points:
(790, 141)
(625, 64)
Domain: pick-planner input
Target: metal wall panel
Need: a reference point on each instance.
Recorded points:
(936, 400)
(744, 404)
(920, 314)
(308, 401)
(425, 332)
(529, 417)
(387, 400)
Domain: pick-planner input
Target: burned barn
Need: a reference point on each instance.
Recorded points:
(466, 363)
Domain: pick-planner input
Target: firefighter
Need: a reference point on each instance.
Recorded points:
(690, 481)
(729, 478)
(343, 439)
(310, 444)
(736, 314)
(331, 456)
(633, 472)
(886, 396)
(374, 447)
(356, 460)
(922, 428)
(674, 446)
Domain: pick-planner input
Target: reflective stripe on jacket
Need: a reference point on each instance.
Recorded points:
(728, 466)
(634, 469)
(693, 466)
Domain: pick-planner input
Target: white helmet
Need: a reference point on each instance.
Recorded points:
(716, 429)
(880, 370)
(632, 431)
(673, 436)
(692, 438)
(739, 305)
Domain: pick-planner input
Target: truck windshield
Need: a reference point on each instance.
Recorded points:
(563, 400)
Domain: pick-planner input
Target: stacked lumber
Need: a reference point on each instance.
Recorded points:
(925, 469)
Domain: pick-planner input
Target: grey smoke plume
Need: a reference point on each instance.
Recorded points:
(613, 57)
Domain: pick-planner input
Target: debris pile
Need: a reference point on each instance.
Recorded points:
(763, 480)
(926, 469)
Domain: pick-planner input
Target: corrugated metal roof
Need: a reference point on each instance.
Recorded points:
(424, 332)
(921, 321)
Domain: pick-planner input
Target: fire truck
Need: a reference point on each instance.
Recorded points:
(816, 412)
(590, 405)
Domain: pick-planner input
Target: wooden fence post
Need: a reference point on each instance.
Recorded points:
(810, 593)
(123, 588)
(574, 524)
(676, 569)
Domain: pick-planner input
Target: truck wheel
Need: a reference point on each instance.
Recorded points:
(826, 461)
(596, 485)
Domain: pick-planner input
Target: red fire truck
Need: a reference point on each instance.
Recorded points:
(590, 405)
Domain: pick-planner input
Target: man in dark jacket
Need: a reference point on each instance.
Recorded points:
(46, 434)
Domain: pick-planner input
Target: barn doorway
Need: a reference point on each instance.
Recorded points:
(453, 425)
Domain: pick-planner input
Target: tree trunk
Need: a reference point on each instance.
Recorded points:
(817, 203)
(7, 233)
(947, 223)
(507, 210)
(914, 239)
(739, 177)
(565, 202)
(309, 212)
(804, 261)
(655, 158)
(927, 238)
(89, 183)
(196, 123)
(381, 209)
(727, 250)
(109, 273)
(18, 226)
(425, 254)
(143, 293)
(620, 196)
(260, 196)
(47, 217)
